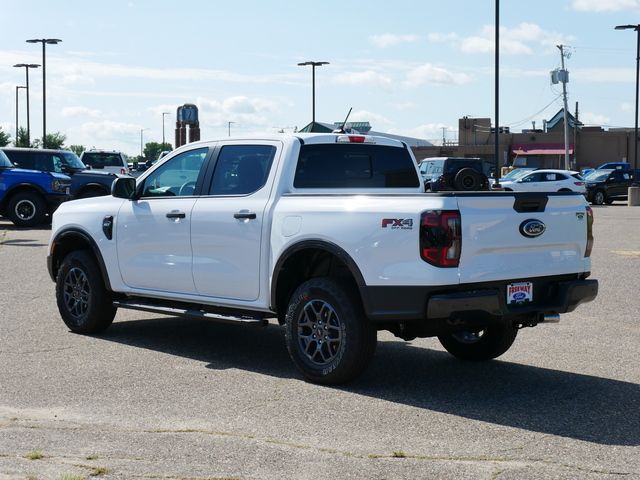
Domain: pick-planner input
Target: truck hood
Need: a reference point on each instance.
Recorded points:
(39, 173)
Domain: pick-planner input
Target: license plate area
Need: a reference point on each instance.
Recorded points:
(519, 293)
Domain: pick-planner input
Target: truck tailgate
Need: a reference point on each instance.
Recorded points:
(496, 243)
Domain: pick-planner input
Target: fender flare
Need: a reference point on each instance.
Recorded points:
(77, 232)
(318, 245)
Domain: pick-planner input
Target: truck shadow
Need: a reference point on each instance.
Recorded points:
(582, 407)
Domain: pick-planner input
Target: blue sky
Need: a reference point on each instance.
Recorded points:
(408, 67)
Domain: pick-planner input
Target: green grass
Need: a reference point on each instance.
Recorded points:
(68, 476)
(97, 471)
(34, 455)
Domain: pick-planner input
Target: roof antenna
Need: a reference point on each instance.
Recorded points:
(341, 129)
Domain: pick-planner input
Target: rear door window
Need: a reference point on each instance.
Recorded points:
(241, 169)
(354, 166)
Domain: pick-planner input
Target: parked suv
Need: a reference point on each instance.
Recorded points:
(85, 183)
(109, 161)
(45, 160)
(605, 186)
(449, 173)
(27, 196)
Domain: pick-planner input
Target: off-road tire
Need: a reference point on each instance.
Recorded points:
(327, 334)
(84, 303)
(468, 180)
(487, 344)
(27, 209)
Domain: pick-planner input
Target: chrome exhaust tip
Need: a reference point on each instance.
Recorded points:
(553, 318)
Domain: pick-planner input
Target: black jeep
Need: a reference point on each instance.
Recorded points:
(450, 173)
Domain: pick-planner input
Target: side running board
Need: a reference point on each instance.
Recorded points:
(192, 312)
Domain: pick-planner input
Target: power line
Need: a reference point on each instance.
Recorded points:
(525, 120)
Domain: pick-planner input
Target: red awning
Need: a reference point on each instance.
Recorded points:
(540, 149)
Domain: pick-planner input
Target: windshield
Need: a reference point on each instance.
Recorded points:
(72, 160)
(517, 173)
(4, 160)
(597, 176)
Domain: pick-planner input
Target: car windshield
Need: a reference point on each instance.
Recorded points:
(4, 160)
(518, 172)
(597, 176)
(73, 161)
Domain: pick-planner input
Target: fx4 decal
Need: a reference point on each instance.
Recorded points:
(397, 223)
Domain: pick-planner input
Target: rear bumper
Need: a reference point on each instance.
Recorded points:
(551, 295)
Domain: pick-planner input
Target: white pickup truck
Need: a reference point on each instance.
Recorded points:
(333, 236)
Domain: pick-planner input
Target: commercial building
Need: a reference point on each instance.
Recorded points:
(589, 146)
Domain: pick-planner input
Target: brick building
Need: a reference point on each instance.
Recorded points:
(589, 146)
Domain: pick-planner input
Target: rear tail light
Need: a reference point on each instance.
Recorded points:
(580, 184)
(123, 171)
(587, 250)
(441, 237)
(354, 139)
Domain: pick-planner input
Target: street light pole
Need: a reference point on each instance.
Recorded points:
(229, 127)
(313, 86)
(163, 114)
(635, 131)
(17, 88)
(141, 148)
(44, 41)
(27, 66)
(497, 95)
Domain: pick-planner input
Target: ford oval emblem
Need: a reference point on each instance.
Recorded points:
(532, 228)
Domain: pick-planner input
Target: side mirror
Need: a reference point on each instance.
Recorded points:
(124, 187)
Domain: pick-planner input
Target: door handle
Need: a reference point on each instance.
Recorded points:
(176, 214)
(244, 215)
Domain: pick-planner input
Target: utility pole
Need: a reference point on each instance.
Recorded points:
(443, 138)
(564, 77)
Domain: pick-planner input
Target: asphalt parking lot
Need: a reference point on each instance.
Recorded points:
(160, 397)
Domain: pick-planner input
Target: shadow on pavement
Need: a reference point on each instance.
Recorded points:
(583, 407)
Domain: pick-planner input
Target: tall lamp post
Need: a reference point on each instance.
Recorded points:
(18, 87)
(44, 41)
(313, 86)
(163, 115)
(635, 132)
(497, 95)
(27, 66)
(229, 127)
(141, 148)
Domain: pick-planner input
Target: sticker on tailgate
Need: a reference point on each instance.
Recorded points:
(519, 292)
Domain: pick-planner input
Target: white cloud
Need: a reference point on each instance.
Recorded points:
(368, 77)
(605, 5)
(627, 107)
(431, 74)
(376, 120)
(79, 111)
(240, 109)
(590, 118)
(389, 39)
(523, 39)
(432, 131)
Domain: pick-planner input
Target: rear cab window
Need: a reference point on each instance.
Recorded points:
(100, 160)
(346, 165)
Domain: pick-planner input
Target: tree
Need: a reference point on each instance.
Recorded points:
(77, 149)
(4, 138)
(54, 141)
(22, 140)
(152, 149)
